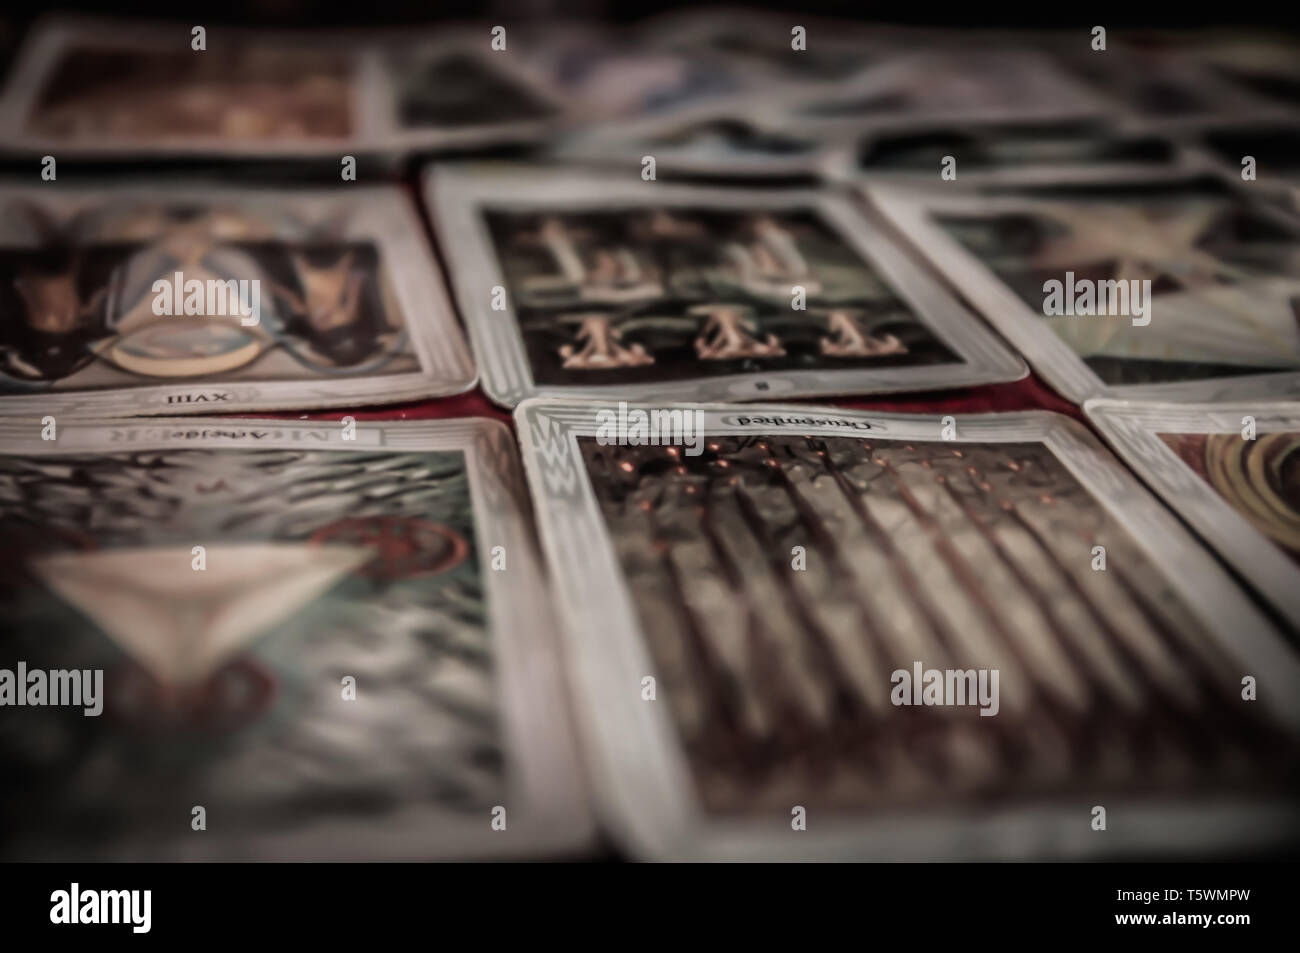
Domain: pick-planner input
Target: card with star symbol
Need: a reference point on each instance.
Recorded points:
(1182, 288)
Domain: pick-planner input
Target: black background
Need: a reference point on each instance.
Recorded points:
(973, 13)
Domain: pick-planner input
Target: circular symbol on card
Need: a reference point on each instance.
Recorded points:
(185, 347)
(404, 547)
(759, 387)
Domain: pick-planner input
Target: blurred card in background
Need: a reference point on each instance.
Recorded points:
(1158, 85)
(724, 142)
(982, 154)
(114, 88)
(1269, 154)
(453, 90)
(1266, 66)
(772, 48)
(951, 85)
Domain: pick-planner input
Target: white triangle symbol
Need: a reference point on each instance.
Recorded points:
(182, 623)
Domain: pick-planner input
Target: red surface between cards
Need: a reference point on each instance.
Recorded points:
(1029, 393)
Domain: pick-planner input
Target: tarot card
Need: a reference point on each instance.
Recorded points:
(606, 76)
(453, 90)
(1178, 289)
(1154, 86)
(722, 142)
(189, 298)
(85, 86)
(337, 648)
(983, 154)
(753, 596)
(90, 87)
(954, 85)
(690, 107)
(1266, 67)
(576, 284)
(1269, 154)
(698, 111)
(1228, 469)
(814, 54)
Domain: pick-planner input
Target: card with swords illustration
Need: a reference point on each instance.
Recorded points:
(127, 300)
(903, 637)
(1183, 288)
(601, 285)
(312, 641)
